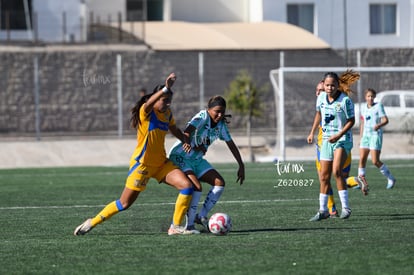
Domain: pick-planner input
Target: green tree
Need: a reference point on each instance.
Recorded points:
(243, 97)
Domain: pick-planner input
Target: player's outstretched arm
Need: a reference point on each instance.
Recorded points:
(236, 153)
(169, 82)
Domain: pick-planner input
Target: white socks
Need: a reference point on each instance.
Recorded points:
(323, 202)
(343, 196)
(384, 170)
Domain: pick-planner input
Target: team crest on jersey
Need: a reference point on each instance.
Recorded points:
(338, 107)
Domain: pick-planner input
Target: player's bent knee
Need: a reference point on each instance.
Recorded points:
(219, 182)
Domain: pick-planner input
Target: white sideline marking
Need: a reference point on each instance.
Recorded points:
(125, 173)
(143, 204)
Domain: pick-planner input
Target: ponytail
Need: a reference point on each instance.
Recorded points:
(134, 120)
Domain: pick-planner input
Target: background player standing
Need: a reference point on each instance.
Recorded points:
(373, 118)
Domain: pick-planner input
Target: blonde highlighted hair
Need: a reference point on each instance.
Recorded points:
(346, 79)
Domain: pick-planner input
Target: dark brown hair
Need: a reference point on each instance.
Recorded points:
(218, 100)
(134, 120)
(370, 90)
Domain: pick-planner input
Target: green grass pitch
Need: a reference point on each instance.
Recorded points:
(40, 208)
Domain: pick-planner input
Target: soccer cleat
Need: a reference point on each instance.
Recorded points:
(346, 212)
(320, 216)
(202, 221)
(179, 230)
(363, 184)
(391, 184)
(192, 229)
(84, 228)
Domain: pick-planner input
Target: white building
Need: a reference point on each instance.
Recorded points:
(343, 24)
(349, 23)
(340, 23)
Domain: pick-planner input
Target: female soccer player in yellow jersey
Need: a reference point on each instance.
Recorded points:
(152, 118)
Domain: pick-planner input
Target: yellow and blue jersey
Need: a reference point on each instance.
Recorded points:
(152, 129)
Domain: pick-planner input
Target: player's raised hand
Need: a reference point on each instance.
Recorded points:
(169, 82)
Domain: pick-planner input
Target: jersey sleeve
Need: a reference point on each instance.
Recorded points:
(224, 132)
(198, 120)
(349, 108)
(381, 110)
(318, 102)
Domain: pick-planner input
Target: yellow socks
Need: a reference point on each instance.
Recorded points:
(181, 205)
(109, 210)
(331, 202)
(351, 182)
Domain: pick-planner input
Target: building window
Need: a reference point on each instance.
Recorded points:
(13, 15)
(409, 101)
(301, 15)
(383, 18)
(135, 10)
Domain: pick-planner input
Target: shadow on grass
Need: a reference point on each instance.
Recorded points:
(290, 229)
(391, 217)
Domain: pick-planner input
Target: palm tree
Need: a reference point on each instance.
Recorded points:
(243, 97)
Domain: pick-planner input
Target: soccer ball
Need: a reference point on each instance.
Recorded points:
(220, 224)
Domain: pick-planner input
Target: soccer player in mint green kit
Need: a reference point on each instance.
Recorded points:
(373, 118)
(351, 181)
(336, 112)
(202, 130)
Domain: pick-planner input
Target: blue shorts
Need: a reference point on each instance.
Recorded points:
(373, 142)
(327, 149)
(198, 166)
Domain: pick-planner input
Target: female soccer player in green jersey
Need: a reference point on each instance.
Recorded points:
(346, 79)
(202, 130)
(335, 112)
(373, 118)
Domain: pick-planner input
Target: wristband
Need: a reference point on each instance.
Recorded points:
(165, 90)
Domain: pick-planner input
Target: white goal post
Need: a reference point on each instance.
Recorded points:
(277, 78)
